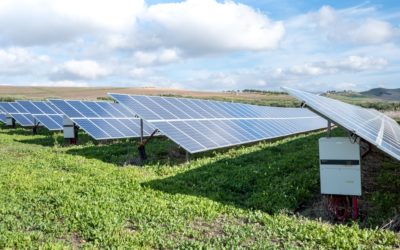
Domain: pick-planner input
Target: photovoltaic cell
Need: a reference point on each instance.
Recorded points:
(200, 125)
(46, 114)
(8, 107)
(24, 119)
(103, 120)
(3, 117)
(16, 111)
(371, 125)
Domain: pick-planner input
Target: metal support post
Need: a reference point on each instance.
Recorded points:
(13, 125)
(142, 148)
(141, 130)
(329, 128)
(35, 127)
(76, 133)
(187, 157)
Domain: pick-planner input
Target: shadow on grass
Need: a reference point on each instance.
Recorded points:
(124, 152)
(278, 177)
(118, 152)
(115, 152)
(18, 130)
(51, 138)
(284, 176)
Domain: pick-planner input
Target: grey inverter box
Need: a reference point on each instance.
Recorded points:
(340, 170)
(9, 121)
(68, 127)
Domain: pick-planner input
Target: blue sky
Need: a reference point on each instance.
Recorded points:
(201, 44)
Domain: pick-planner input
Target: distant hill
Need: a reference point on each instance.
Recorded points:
(382, 93)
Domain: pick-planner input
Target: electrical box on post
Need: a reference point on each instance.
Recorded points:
(69, 128)
(9, 121)
(340, 166)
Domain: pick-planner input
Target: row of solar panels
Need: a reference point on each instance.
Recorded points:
(195, 125)
(101, 120)
(28, 113)
(200, 125)
(369, 124)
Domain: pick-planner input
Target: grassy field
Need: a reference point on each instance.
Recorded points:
(265, 195)
(10, 93)
(53, 196)
(392, 107)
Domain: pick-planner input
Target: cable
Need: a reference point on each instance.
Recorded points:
(353, 138)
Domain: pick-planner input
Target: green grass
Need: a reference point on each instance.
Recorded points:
(53, 196)
(366, 101)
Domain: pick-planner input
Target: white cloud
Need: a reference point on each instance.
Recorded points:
(194, 44)
(335, 74)
(139, 72)
(348, 64)
(25, 22)
(360, 63)
(204, 26)
(196, 26)
(114, 15)
(348, 26)
(85, 69)
(164, 56)
(18, 60)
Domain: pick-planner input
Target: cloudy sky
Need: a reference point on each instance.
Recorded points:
(201, 44)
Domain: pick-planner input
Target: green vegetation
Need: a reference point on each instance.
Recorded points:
(13, 98)
(273, 100)
(365, 101)
(268, 92)
(53, 196)
(10, 98)
(105, 98)
(266, 99)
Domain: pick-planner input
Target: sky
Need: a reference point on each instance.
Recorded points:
(201, 44)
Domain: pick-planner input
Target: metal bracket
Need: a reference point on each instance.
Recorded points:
(142, 146)
(329, 129)
(187, 157)
(369, 148)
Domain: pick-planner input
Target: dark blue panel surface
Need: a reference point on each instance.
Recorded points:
(83, 109)
(108, 128)
(90, 128)
(66, 109)
(30, 107)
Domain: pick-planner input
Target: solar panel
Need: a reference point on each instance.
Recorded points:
(3, 117)
(371, 125)
(103, 120)
(45, 113)
(201, 125)
(16, 111)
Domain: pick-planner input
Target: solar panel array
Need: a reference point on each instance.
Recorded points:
(45, 113)
(371, 125)
(201, 125)
(103, 120)
(16, 111)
